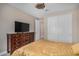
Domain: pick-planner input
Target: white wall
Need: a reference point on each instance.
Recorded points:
(59, 27)
(8, 15)
(75, 25)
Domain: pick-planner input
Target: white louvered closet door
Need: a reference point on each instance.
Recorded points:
(37, 29)
(59, 28)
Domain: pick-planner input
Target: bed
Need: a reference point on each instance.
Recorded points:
(47, 48)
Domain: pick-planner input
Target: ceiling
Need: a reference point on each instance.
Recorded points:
(29, 8)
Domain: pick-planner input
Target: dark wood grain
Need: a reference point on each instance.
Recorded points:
(15, 41)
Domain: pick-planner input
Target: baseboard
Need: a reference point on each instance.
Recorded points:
(3, 53)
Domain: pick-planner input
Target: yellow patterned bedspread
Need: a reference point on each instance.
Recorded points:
(44, 48)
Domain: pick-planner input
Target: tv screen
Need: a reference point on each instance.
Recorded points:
(21, 27)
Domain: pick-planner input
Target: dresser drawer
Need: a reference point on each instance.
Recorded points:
(15, 41)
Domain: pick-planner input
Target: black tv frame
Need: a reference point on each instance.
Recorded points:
(22, 27)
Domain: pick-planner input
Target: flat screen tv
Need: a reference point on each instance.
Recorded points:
(21, 27)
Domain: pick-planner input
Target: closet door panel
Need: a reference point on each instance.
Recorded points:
(59, 28)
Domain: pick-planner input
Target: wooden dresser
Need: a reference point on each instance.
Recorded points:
(17, 40)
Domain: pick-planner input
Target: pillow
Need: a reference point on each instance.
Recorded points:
(75, 48)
